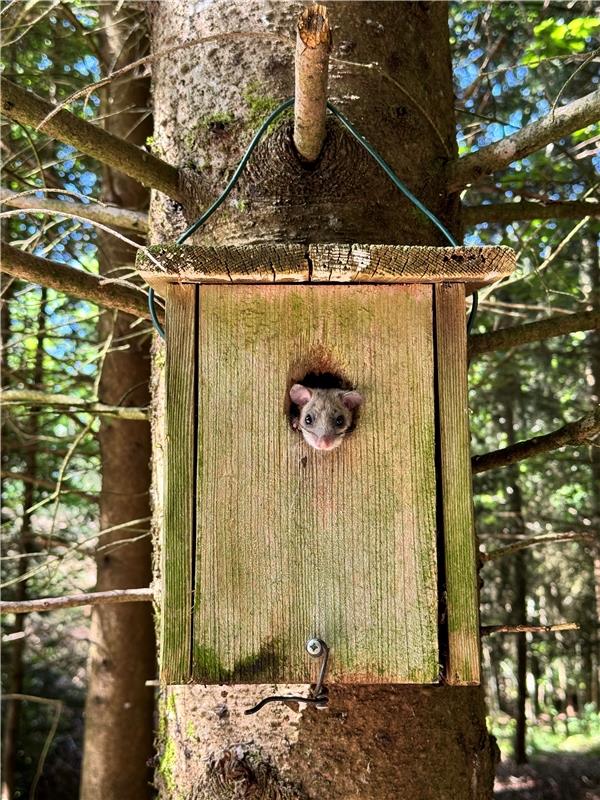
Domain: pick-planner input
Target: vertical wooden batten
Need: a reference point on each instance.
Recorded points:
(461, 600)
(177, 553)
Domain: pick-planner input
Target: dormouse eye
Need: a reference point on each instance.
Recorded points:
(308, 419)
(339, 421)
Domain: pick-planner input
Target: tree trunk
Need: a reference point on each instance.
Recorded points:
(119, 706)
(16, 667)
(374, 741)
(519, 613)
(593, 341)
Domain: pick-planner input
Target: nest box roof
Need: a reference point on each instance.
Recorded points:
(323, 263)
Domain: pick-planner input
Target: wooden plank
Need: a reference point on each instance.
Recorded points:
(323, 263)
(379, 263)
(263, 263)
(293, 543)
(180, 497)
(460, 551)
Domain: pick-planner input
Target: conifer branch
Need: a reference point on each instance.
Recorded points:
(578, 432)
(487, 630)
(534, 541)
(33, 397)
(111, 216)
(516, 335)
(528, 210)
(74, 600)
(30, 109)
(556, 125)
(74, 282)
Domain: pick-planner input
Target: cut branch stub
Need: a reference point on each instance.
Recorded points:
(313, 45)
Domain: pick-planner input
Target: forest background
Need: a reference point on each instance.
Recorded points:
(513, 62)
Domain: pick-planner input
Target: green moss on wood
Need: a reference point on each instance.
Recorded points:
(166, 765)
(260, 105)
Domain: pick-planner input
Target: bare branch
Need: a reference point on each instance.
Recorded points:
(534, 541)
(34, 397)
(96, 212)
(74, 600)
(73, 281)
(313, 45)
(563, 121)
(516, 335)
(487, 630)
(524, 210)
(571, 434)
(44, 484)
(29, 109)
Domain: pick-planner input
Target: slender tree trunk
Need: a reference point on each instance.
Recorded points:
(373, 742)
(521, 612)
(517, 527)
(593, 340)
(16, 667)
(119, 706)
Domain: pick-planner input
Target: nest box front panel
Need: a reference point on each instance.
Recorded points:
(292, 543)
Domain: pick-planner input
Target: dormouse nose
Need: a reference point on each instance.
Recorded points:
(323, 442)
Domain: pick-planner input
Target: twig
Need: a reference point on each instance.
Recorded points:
(313, 45)
(72, 601)
(37, 398)
(557, 125)
(488, 630)
(44, 484)
(573, 433)
(545, 538)
(74, 282)
(96, 212)
(505, 338)
(30, 109)
(527, 210)
(106, 228)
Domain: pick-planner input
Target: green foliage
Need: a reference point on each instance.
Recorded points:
(578, 734)
(554, 37)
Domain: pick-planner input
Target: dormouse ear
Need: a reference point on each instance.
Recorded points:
(352, 399)
(300, 394)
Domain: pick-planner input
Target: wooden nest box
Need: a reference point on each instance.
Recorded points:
(267, 542)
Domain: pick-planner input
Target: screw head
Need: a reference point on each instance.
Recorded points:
(314, 647)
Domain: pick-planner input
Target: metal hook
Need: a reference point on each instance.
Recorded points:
(317, 649)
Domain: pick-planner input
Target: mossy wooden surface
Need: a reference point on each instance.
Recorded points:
(455, 487)
(293, 543)
(179, 532)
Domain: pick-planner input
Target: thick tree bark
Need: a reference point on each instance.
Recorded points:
(423, 742)
(119, 705)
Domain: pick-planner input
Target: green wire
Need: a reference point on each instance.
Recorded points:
(241, 166)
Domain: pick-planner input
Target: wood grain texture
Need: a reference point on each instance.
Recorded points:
(179, 531)
(455, 486)
(324, 263)
(293, 543)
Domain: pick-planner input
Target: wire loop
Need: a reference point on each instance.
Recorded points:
(242, 165)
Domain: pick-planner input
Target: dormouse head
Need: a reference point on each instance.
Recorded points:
(325, 415)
